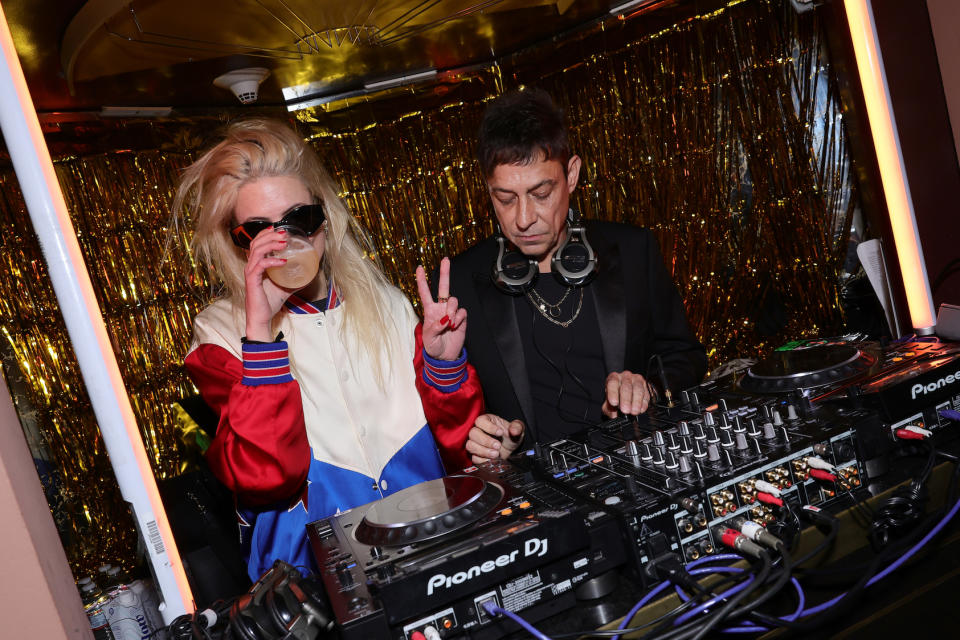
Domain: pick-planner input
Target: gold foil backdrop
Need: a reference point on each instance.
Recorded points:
(119, 205)
(722, 132)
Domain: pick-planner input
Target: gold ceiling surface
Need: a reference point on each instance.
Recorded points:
(85, 55)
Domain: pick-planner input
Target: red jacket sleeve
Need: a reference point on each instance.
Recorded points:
(451, 404)
(260, 450)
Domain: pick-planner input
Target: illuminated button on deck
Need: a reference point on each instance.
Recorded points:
(523, 505)
(506, 512)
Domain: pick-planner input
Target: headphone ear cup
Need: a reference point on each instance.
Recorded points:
(513, 272)
(574, 262)
(241, 625)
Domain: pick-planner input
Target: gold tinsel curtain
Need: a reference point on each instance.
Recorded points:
(721, 131)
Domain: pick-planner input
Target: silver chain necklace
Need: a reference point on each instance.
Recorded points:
(551, 311)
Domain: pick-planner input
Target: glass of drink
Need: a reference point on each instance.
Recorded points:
(302, 266)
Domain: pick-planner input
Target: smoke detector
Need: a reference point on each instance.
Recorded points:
(244, 83)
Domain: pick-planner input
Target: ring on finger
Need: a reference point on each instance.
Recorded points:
(442, 300)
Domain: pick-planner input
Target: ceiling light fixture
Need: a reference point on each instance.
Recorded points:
(626, 6)
(389, 83)
(244, 83)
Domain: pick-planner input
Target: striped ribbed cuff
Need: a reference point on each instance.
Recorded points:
(445, 375)
(266, 364)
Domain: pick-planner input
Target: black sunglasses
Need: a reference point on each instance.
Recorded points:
(305, 218)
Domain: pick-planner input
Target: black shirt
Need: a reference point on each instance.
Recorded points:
(564, 363)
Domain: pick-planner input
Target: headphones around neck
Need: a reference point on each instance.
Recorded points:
(573, 263)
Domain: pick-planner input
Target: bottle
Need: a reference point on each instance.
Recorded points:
(126, 616)
(302, 266)
(111, 579)
(94, 605)
(115, 577)
(151, 606)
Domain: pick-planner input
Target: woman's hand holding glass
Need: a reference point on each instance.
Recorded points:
(263, 297)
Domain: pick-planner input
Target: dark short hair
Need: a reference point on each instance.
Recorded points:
(520, 126)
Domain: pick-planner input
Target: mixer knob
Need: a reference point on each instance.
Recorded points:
(741, 442)
(672, 443)
(791, 412)
(684, 397)
(708, 419)
(738, 424)
(684, 428)
(658, 438)
(685, 445)
(723, 405)
(727, 458)
(694, 400)
(632, 450)
(699, 451)
(685, 466)
(712, 435)
(752, 430)
(726, 440)
(647, 454)
(777, 420)
(657, 456)
(769, 432)
(765, 412)
(784, 434)
(713, 453)
(756, 446)
(672, 460)
(698, 431)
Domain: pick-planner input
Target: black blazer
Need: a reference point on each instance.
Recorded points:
(638, 306)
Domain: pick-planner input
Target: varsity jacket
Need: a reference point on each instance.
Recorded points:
(305, 431)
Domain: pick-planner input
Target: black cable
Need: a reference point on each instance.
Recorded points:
(567, 415)
(822, 546)
(785, 573)
(732, 604)
(904, 508)
(855, 592)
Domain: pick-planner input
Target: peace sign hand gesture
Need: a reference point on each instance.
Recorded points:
(444, 322)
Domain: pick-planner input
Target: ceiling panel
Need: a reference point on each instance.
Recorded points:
(81, 56)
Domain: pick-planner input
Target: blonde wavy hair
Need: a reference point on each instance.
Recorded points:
(260, 148)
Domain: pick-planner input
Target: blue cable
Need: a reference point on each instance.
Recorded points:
(894, 565)
(494, 610)
(703, 606)
(748, 626)
(640, 605)
(950, 414)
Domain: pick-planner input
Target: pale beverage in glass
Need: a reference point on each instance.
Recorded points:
(303, 263)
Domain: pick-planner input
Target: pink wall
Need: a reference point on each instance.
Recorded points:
(945, 21)
(38, 597)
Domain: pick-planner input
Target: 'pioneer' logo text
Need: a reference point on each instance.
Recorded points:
(532, 547)
(920, 389)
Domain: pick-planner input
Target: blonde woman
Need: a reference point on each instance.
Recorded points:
(323, 386)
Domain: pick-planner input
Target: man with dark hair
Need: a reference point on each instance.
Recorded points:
(570, 321)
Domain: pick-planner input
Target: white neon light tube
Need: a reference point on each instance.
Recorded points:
(893, 172)
(81, 313)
